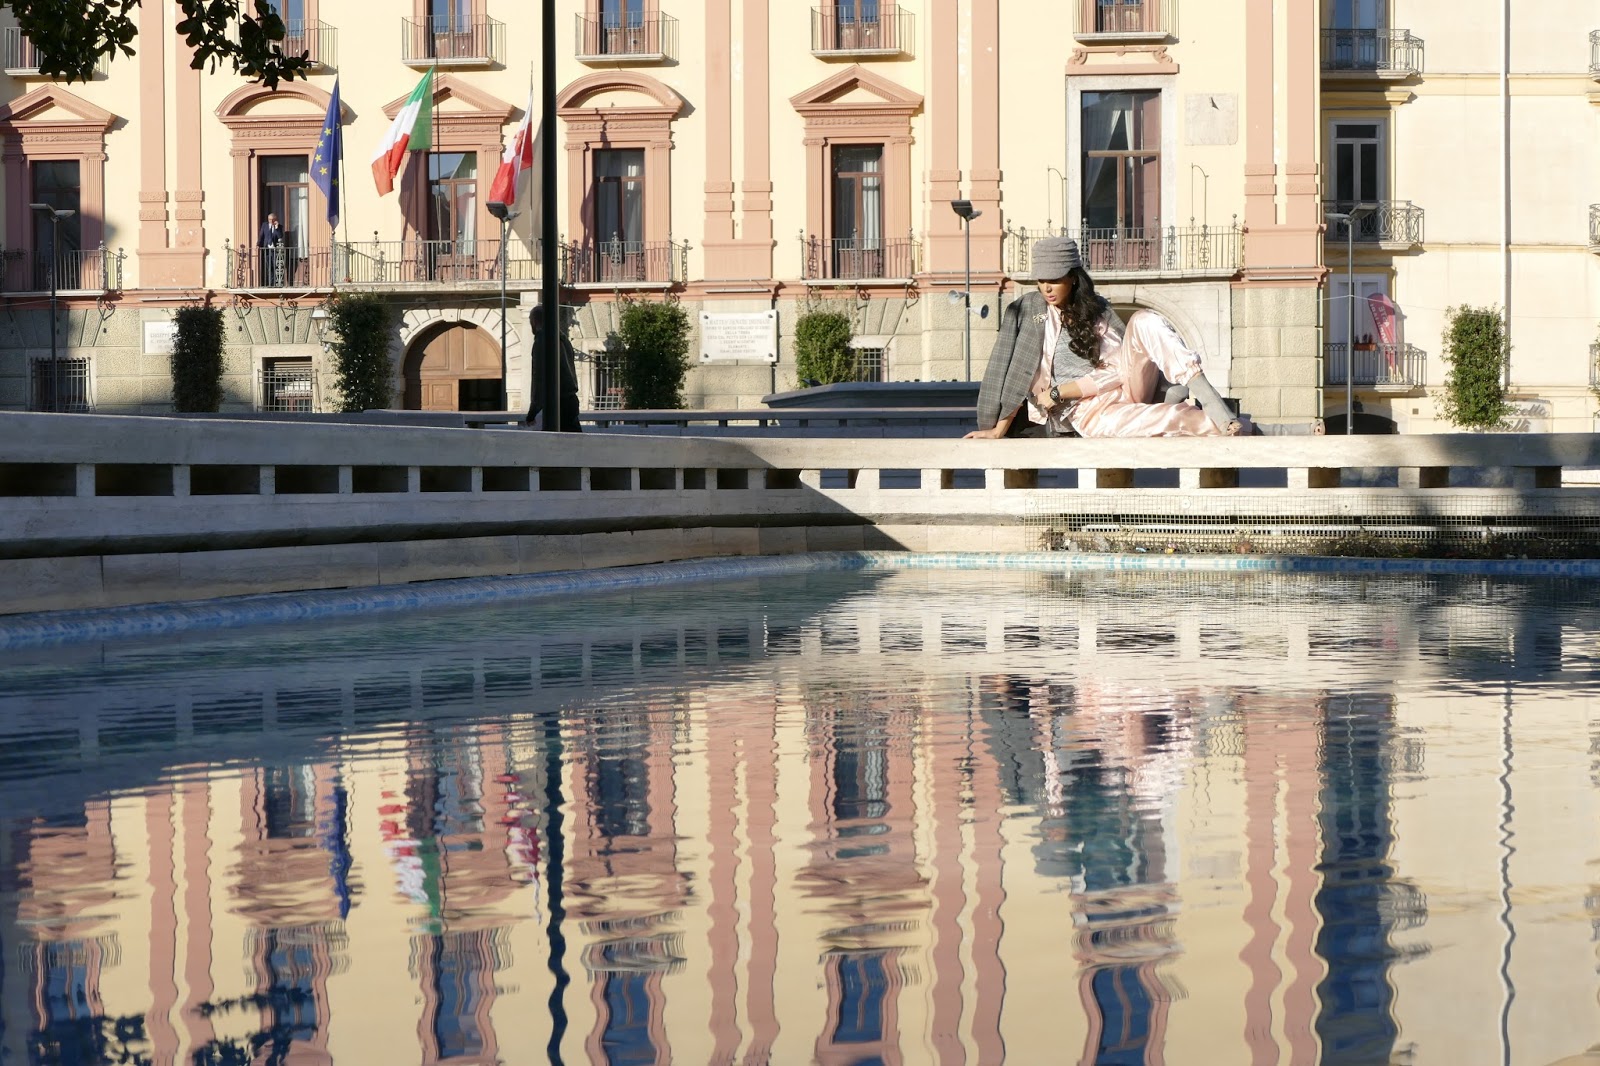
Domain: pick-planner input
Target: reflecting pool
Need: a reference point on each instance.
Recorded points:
(884, 817)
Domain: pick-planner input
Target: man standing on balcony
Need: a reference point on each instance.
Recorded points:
(270, 242)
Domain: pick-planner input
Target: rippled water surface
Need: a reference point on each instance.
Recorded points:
(898, 817)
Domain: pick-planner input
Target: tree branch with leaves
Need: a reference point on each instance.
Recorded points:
(72, 37)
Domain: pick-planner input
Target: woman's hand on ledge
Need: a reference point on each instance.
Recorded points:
(992, 433)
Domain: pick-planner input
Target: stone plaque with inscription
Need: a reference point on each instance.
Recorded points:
(746, 337)
(158, 337)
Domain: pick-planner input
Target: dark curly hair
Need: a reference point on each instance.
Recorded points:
(1081, 315)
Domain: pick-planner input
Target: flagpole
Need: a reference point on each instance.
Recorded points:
(550, 266)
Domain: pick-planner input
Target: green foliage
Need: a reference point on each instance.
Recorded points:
(361, 324)
(654, 338)
(74, 36)
(822, 348)
(197, 358)
(1476, 349)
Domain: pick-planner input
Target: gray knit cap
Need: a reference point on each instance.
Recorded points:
(1055, 257)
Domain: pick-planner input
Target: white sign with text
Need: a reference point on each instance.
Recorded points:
(747, 337)
(158, 337)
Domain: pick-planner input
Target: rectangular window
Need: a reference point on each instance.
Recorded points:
(452, 31)
(1121, 137)
(1360, 14)
(1357, 163)
(284, 194)
(856, 227)
(607, 392)
(870, 364)
(450, 16)
(859, 24)
(452, 196)
(287, 385)
(1121, 16)
(59, 385)
(622, 28)
(619, 215)
(292, 12)
(57, 244)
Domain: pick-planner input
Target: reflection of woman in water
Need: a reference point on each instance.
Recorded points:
(1064, 363)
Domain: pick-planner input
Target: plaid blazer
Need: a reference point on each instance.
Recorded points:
(1015, 359)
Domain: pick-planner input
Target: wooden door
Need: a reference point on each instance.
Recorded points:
(437, 366)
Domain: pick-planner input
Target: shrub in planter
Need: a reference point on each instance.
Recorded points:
(361, 324)
(197, 347)
(822, 348)
(1476, 350)
(654, 338)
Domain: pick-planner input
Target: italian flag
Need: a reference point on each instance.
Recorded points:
(411, 131)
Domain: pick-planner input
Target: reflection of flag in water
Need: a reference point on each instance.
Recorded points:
(1386, 320)
(418, 866)
(522, 840)
(336, 839)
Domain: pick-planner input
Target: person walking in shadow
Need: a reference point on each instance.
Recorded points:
(568, 411)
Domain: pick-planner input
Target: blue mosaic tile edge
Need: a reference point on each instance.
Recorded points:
(67, 627)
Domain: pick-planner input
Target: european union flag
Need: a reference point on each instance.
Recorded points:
(325, 160)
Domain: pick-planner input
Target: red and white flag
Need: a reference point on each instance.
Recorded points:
(1385, 318)
(518, 156)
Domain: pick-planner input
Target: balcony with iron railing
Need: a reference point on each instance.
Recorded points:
(71, 270)
(318, 41)
(1594, 53)
(834, 259)
(647, 39)
(844, 34)
(1108, 21)
(1384, 367)
(21, 58)
(444, 43)
(1173, 252)
(1594, 227)
(1380, 54)
(382, 264)
(1393, 225)
(624, 264)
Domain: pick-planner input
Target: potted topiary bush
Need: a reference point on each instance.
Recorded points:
(197, 346)
(361, 325)
(654, 338)
(822, 354)
(1476, 349)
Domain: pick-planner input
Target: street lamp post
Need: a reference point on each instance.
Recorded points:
(967, 213)
(1349, 219)
(55, 215)
(504, 213)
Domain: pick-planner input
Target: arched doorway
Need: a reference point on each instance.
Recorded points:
(455, 367)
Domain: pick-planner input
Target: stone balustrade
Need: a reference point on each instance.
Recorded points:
(114, 509)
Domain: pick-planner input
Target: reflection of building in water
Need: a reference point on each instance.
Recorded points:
(850, 836)
(622, 873)
(1359, 900)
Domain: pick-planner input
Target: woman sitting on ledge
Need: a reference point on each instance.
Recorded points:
(1063, 364)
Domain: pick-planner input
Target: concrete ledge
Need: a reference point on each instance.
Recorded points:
(76, 626)
(105, 510)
